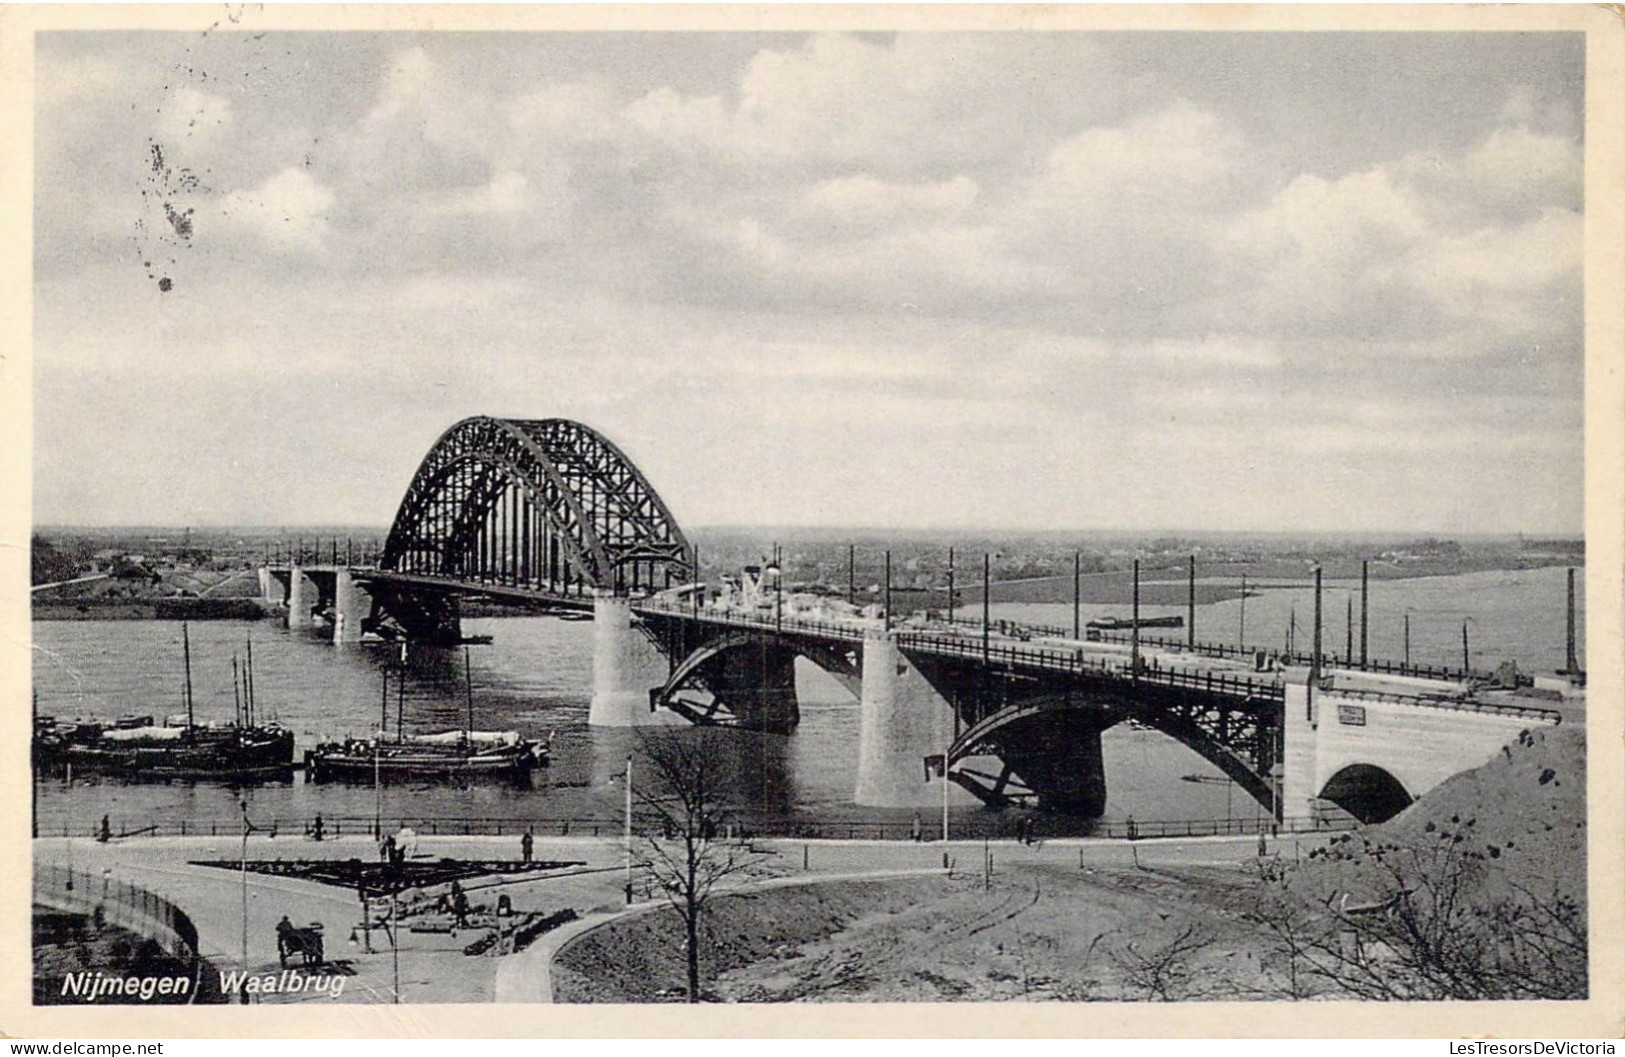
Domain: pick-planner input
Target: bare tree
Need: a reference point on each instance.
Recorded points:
(695, 846)
(1163, 971)
(1432, 921)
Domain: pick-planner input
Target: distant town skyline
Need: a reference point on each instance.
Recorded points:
(1000, 282)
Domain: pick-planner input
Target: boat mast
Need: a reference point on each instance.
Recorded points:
(249, 682)
(236, 693)
(186, 654)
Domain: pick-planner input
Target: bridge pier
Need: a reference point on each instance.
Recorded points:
(621, 676)
(618, 697)
(270, 589)
(302, 595)
(351, 605)
(902, 721)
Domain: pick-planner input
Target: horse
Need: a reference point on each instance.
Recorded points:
(306, 942)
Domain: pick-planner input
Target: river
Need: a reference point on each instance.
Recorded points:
(536, 677)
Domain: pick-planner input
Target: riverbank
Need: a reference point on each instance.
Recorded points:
(139, 608)
(1221, 582)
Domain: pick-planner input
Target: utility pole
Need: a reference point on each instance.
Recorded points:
(888, 591)
(950, 587)
(987, 566)
(1348, 626)
(1077, 563)
(1314, 664)
(1572, 664)
(851, 574)
(1190, 637)
(1241, 632)
(1407, 638)
(1365, 608)
(1134, 630)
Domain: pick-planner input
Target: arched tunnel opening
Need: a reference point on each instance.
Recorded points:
(1367, 792)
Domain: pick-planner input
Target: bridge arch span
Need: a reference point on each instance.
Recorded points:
(744, 678)
(545, 505)
(1368, 792)
(1026, 728)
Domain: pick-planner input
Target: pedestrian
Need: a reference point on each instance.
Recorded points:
(459, 905)
(386, 848)
(106, 832)
(915, 829)
(318, 828)
(527, 843)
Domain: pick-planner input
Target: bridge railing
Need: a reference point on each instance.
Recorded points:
(120, 903)
(1330, 660)
(1217, 650)
(1219, 683)
(827, 629)
(1451, 704)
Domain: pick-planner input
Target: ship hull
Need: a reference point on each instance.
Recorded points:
(207, 754)
(414, 766)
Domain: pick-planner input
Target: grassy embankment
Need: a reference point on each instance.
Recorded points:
(1495, 841)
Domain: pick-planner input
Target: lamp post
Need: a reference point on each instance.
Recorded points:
(628, 831)
(391, 926)
(243, 874)
(377, 789)
(394, 945)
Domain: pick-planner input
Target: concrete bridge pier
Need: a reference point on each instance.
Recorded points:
(271, 592)
(351, 605)
(902, 721)
(622, 669)
(302, 596)
(619, 699)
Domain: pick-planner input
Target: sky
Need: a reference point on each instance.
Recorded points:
(1044, 281)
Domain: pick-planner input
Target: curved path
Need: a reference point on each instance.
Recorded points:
(433, 968)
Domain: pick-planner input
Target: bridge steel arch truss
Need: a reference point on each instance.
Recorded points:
(1008, 713)
(548, 506)
(718, 671)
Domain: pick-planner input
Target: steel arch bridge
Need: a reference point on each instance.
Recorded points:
(527, 509)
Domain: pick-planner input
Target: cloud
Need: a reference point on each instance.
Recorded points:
(190, 113)
(288, 212)
(1020, 239)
